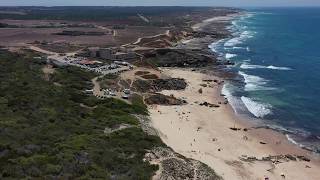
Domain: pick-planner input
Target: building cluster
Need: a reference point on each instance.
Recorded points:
(111, 53)
(84, 61)
(91, 65)
(107, 93)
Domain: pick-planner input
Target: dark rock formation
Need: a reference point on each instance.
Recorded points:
(276, 159)
(142, 86)
(163, 100)
(159, 85)
(169, 84)
(292, 158)
(209, 104)
(303, 158)
(180, 58)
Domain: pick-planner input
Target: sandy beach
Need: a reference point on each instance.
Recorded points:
(203, 133)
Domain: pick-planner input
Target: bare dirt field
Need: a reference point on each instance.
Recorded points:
(22, 36)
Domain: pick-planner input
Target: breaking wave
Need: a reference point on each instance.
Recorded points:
(259, 110)
(250, 66)
(279, 68)
(215, 45)
(255, 83)
(233, 42)
(293, 141)
(239, 39)
(229, 56)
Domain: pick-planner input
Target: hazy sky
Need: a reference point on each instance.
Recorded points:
(160, 2)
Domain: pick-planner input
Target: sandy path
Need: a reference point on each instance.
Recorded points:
(96, 87)
(203, 133)
(47, 70)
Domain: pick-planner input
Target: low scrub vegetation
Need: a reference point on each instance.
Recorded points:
(46, 133)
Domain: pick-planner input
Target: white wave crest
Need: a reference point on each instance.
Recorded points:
(215, 45)
(255, 83)
(279, 68)
(229, 56)
(251, 66)
(247, 34)
(237, 47)
(235, 102)
(239, 40)
(293, 141)
(233, 42)
(259, 110)
(253, 79)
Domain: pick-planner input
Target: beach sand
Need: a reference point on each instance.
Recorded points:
(203, 133)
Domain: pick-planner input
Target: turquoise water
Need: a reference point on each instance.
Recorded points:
(277, 55)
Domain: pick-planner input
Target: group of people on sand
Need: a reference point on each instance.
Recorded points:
(282, 175)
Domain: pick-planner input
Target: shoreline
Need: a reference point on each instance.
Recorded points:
(204, 134)
(250, 113)
(269, 152)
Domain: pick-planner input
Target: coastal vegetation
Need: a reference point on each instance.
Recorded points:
(52, 129)
(91, 13)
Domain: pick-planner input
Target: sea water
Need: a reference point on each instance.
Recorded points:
(277, 57)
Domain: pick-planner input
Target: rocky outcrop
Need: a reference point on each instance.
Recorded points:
(142, 86)
(161, 99)
(175, 166)
(275, 159)
(209, 104)
(159, 85)
(180, 57)
(169, 84)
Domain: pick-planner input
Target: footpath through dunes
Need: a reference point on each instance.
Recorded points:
(215, 136)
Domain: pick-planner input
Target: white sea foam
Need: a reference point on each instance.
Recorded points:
(258, 109)
(235, 102)
(236, 47)
(279, 68)
(247, 34)
(251, 66)
(255, 83)
(214, 45)
(233, 42)
(249, 15)
(229, 56)
(293, 141)
(253, 79)
(239, 38)
(255, 87)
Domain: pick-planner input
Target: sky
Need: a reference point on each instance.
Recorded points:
(233, 3)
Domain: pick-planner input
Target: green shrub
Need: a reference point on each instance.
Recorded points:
(48, 134)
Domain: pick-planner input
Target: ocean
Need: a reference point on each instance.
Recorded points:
(277, 57)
